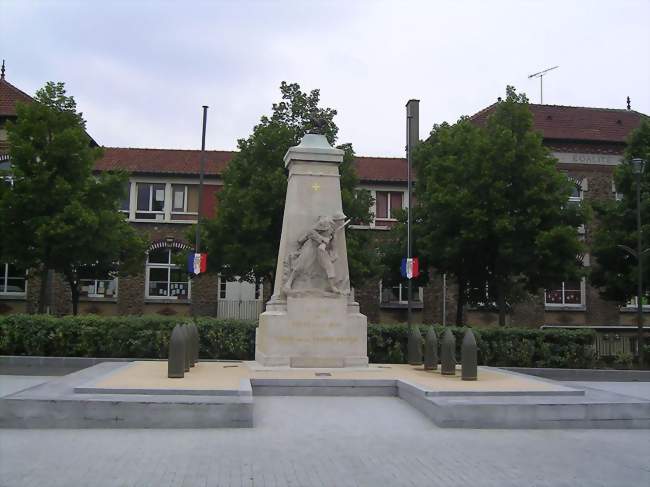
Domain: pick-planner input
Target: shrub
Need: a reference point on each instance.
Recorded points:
(148, 337)
(623, 360)
(500, 347)
(124, 336)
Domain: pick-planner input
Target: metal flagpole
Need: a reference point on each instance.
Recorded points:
(201, 171)
(412, 136)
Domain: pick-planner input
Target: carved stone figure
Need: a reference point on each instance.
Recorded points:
(316, 254)
(318, 122)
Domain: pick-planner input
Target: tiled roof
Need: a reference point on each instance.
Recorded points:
(560, 122)
(381, 169)
(180, 161)
(9, 95)
(163, 161)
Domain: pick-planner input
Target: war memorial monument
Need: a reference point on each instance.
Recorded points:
(311, 319)
(311, 341)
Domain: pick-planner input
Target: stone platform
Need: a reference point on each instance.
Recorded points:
(221, 394)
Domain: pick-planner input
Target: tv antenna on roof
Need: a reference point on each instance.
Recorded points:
(540, 75)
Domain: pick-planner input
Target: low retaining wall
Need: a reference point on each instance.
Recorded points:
(591, 375)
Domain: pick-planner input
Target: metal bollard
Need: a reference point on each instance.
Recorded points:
(192, 345)
(195, 335)
(431, 350)
(415, 346)
(186, 333)
(448, 353)
(468, 356)
(176, 357)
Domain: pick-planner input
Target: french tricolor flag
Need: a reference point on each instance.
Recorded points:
(410, 268)
(197, 263)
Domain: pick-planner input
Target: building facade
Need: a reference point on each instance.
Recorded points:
(163, 201)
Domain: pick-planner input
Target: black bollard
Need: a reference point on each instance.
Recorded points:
(186, 333)
(431, 350)
(176, 357)
(415, 346)
(195, 336)
(191, 341)
(448, 353)
(468, 356)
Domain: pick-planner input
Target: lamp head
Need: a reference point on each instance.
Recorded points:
(638, 165)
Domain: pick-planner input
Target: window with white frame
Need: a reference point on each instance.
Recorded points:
(125, 203)
(185, 201)
(566, 294)
(645, 302)
(97, 285)
(398, 294)
(387, 203)
(150, 201)
(98, 288)
(165, 279)
(12, 280)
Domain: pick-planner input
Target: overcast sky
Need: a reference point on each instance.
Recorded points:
(141, 70)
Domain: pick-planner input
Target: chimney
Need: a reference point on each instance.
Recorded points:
(413, 123)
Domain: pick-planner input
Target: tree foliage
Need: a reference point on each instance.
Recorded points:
(57, 215)
(244, 237)
(493, 209)
(615, 271)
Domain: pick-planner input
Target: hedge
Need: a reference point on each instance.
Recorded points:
(148, 337)
(501, 347)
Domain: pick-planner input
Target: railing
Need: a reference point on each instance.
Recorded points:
(240, 310)
(612, 344)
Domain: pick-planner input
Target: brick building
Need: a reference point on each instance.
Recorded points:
(163, 202)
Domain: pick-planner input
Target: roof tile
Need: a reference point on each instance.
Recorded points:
(9, 95)
(558, 122)
(163, 161)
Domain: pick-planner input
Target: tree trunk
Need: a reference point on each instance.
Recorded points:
(74, 292)
(501, 303)
(460, 301)
(43, 291)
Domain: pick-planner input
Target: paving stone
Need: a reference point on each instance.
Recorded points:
(326, 441)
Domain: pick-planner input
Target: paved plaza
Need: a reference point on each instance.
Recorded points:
(326, 441)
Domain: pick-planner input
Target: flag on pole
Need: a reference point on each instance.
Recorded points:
(409, 268)
(197, 263)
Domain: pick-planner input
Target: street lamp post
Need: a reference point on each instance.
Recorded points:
(637, 168)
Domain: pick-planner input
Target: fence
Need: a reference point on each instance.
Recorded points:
(240, 310)
(612, 344)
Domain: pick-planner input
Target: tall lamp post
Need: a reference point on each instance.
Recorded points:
(637, 169)
(638, 166)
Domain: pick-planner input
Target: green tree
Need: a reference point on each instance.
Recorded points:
(494, 210)
(244, 237)
(615, 271)
(57, 215)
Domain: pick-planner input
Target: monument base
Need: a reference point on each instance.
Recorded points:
(312, 332)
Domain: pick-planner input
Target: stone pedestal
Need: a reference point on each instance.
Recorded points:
(311, 320)
(313, 332)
